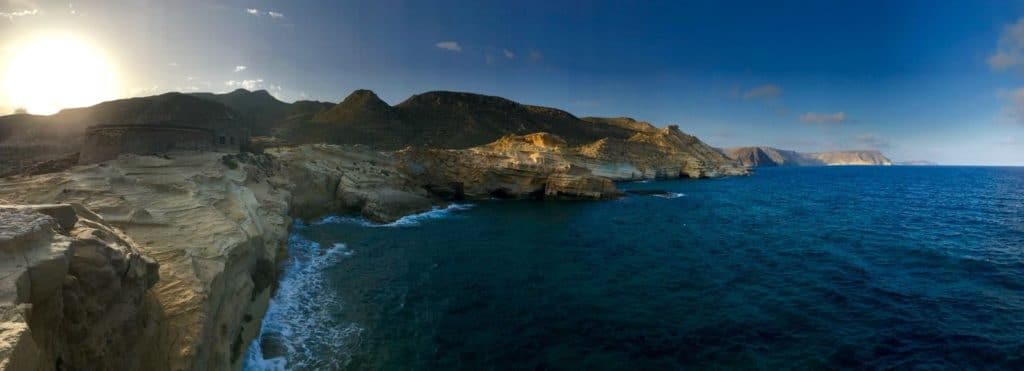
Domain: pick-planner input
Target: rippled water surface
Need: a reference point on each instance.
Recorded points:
(847, 267)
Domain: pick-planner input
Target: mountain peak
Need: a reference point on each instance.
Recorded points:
(361, 106)
(363, 97)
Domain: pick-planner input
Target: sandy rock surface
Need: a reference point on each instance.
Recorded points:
(73, 291)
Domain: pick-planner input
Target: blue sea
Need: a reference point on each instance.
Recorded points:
(789, 268)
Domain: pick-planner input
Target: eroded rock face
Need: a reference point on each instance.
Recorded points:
(216, 226)
(543, 165)
(74, 293)
(654, 153)
(349, 179)
(527, 166)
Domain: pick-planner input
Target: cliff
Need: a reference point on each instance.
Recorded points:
(530, 166)
(74, 292)
(768, 156)
(216, 230)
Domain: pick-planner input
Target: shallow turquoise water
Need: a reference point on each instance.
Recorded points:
(844, 267)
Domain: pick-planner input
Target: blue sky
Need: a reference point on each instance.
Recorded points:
(940, 81)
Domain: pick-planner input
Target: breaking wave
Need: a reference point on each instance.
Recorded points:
(671, 195)
(299, 327)
(405, 221)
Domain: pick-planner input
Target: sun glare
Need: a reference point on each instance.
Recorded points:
(54, 72)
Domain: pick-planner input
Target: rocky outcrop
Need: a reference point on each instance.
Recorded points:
(655, 153)
(768, 157)
(529, 166)
(74, 292)
(216, 226)
(348, 179)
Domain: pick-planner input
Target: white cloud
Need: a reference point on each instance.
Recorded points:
(240, 68)
(508, 54)
(1010, 48)
(536, 56)
(449, 46)
(763, 91)
(823, 118)
(252, 11)
(275, 15)
(254, 84)
(20, 13)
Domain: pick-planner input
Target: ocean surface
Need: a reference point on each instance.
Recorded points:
(790, 268)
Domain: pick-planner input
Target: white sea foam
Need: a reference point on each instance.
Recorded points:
(671, 195)
(299, 327)
(405, 221)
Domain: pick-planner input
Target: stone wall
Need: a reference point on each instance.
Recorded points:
(106, 142)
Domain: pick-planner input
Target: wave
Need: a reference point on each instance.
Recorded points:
(299, 327)
(671, 195)
(405, 221)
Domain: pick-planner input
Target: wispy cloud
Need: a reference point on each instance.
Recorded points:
(449, 46)
(1010, 48)
(240, 68)
(1013, 106)
(508, 54)
(19, 13)
(256, 12)
(766, 91)
(823, 118)
(872, 141)
(254, 84)
(536, 56)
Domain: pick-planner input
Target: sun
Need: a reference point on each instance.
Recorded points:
(46, 74)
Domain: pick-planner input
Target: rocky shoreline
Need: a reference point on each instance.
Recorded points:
(216, 225)
(175, 209)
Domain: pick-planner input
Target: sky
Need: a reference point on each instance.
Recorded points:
(919, 80)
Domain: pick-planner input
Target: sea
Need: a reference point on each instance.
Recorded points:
(788, 268)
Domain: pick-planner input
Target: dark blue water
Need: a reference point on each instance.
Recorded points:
(848, 267)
